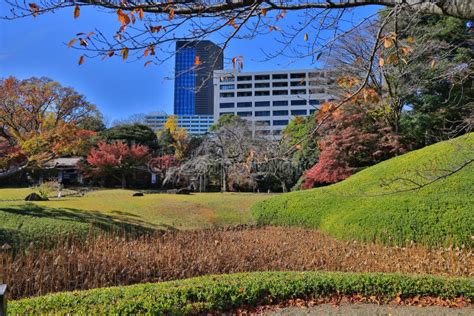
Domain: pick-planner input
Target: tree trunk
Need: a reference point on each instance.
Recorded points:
(124, 181)
(224, 181)
(283, 186)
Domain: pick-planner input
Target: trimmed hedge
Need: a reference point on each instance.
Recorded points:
(226, 292)
(359, 208)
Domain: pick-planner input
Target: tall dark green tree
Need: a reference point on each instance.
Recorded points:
(442, 105)
(136, 134)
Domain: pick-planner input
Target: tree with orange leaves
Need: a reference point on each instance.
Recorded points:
(39, 121)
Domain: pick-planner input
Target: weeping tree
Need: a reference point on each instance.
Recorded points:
(222, 155)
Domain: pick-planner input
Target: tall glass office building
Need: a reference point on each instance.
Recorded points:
(193, 86)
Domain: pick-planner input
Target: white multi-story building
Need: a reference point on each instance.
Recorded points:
(270, 99)
(194, 124)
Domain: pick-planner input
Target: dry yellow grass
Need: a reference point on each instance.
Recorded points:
(112, 260)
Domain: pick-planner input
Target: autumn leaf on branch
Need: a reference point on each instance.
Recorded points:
(154, 29)
(77, 12)
(124, 53)
(71, 42)
(34, 9)
(171, 15)
(81, 60)
(123, 18)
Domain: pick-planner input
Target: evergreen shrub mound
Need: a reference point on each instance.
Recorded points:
(227, 292)
(35, 197)
(381, 204)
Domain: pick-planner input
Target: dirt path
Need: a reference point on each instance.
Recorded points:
(371, 309)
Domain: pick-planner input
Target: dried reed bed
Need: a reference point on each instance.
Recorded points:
(108, 261)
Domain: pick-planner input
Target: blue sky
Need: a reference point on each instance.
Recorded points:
(36, 47)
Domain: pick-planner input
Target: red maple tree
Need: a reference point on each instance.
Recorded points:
(352, 137)
(117, 159)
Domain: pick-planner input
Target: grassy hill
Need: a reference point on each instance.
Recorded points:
(364, 208)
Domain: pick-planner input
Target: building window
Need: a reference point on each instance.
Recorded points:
(244, 93)
(298, 102)
(262, 123)
(262, 113)
(298, 76)
(226, 113)
(280, 84)
(244, 86)
(244, 114)
(227, 94)
(262, 85)
(227, 78)
(280, 92)
(261, 93)
(226, 105)
(297, 92)
(311, 111)
(280, 113)
(314, 102)
(298, 83)
(280, 103)
(244, 78)
(244, 104)
(314, 74)
(298, 112)
(262, 77)
(227, 87)
(280, 76)
(277, 132)
(280, 122)
(262, 103)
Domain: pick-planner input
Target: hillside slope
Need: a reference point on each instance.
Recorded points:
(363, 208)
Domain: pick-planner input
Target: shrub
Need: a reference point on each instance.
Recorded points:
(46, 189)
(227, 292)
(362, 208)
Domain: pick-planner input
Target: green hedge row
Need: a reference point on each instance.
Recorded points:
(440, 214)
(227, 292)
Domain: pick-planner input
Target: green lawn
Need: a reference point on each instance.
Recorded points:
(441, 213)
(116, 209)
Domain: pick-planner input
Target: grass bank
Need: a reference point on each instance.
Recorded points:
(112, 210)
(227, 292)
(381, 203)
